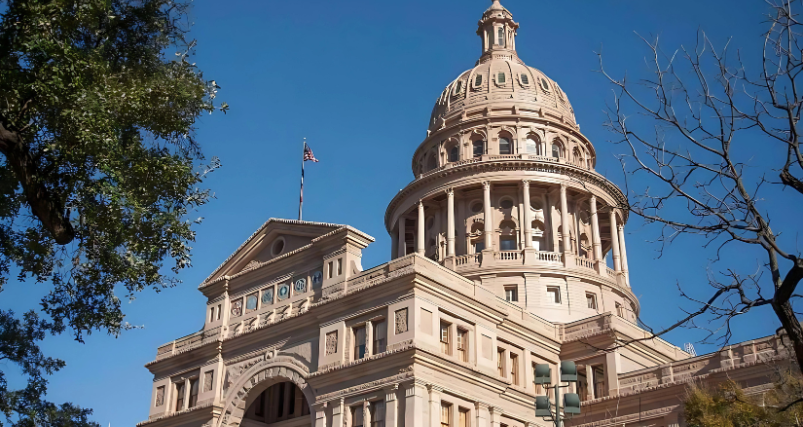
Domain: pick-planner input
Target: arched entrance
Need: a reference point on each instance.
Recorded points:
(267, 383)
(281, 404)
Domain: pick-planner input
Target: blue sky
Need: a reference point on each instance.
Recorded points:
(358, 79)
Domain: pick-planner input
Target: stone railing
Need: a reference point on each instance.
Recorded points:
(550, 257)
(469, 260)
(584, 262)
(495, 157)
(507, 255)
(187, 343)
(611, 273)
(760, 350)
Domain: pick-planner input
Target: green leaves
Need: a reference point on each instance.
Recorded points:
(100, 170)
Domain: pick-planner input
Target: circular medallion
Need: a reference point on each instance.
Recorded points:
(251, 302)
(284, 291)
(300, 285)
(237, 308)
(317, 278)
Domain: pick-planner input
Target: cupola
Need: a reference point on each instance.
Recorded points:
(498, 32)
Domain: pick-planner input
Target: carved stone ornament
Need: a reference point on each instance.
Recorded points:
(160, 396)
(237, 307)
(401, 321)
(331, 342)
(208, 381)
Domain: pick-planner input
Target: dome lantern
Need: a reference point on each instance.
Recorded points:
(498, 33)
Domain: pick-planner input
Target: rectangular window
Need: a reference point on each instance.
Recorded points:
(446, 414)
(620, 310)
(380, 337)
(357, 417)
(218, 311)
(514, 369)
(463, 414)
(445, 338)
(507, 244)
(193, 393)
(179, 396)
(211, 314)
(592, 300)
(339, 266)
(500, 361)
(462, 345)
(377, 409)
(331, 269)
(511, 293)
(359, 342)
(553, 294)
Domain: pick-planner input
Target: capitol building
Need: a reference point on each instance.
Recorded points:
(508, 250)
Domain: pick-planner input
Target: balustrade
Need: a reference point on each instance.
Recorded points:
(507, 255)
(584, 262)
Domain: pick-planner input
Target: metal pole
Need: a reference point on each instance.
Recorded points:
(301, 193)
(557, 402)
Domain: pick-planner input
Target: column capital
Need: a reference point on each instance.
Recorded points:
(486, 185)
(525, 183)
(390, 392)
(450, 191)
(593, 198)
(481, 405)
(563, 186)
(434, 388)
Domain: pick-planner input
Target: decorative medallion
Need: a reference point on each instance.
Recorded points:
(251, 302)
(284, 291)
(401, 321)
(267, 296)
(237, 307)
(317, 278)
(300, 286)
(160, 396)
(331, 342)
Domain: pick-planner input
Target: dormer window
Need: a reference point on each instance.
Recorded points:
(544, 84)
(459, 87)
(500, 78)
(525, 80)
(478, 80)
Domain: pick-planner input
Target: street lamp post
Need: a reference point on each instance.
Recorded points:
(571, 401)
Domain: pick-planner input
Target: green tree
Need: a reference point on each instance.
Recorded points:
(99, 171)
(728, 406)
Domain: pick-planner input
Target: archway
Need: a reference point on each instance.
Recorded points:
(280, 402)
(244, 390)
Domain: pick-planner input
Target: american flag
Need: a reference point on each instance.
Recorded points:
(308, 154)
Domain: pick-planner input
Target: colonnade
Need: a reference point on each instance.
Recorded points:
(618, 250)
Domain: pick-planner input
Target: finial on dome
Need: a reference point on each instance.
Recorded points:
(498, 31)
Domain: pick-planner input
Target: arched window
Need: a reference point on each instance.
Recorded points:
(478, 80)
(479, 148)
(432, 162)
(504, 146)
(500, 78)
(500, 36)
(282, 401)
(557, 149)
(578, 157)
(454, 153)
(525, 80)
(459, 87)
(533, 145)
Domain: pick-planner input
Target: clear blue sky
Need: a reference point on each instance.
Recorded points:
(358, 78)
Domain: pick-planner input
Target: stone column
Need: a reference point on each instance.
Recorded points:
(434, 405)
(568, 260)
(337, 413)
(488, 226)
(413, 406)
(480, 410)
(496, 416)
(613, 361)
(617, 265)
(402, 243)
(450, 249)
(419, 241)
(590, 381)
(598, 261)
(624, 254)
(391, 406)
(320, 415)
(525, 193)
(366, 413)
(394, 246)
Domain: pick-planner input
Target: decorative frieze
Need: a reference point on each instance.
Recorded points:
(331, 343)
(401, 321)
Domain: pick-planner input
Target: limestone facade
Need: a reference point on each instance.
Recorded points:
(508, 250)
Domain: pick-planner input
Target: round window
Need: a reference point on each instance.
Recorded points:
(476, 207)
(278, 246)
(506, 204)
(544, 84)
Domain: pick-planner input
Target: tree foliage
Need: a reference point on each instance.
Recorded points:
(711, 135)
(727, 405)
(99, 170)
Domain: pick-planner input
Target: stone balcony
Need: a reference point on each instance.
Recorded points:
(497, 157)
(470, 263)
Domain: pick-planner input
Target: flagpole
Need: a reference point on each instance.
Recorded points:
(301, 193)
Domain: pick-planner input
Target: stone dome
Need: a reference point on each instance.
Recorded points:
(500, 81)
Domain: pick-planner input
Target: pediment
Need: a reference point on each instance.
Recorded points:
(276, 237)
